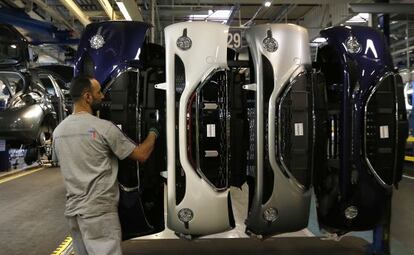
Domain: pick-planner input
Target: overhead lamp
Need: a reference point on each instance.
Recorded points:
(129, 10)
(123, 10)
(218, 15)
(359, 18)
(267, 3)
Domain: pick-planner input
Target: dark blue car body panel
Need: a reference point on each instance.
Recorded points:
(123, 44)
(365, 122)
(128, 68)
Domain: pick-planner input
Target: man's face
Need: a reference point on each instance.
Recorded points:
(94, 96)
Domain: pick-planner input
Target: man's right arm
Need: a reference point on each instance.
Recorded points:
(143, 151)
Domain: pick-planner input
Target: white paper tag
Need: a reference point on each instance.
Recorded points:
(384, 132)
(2, 145)
(211, 154)
(299, 129)
(210, 106)
(211, 130)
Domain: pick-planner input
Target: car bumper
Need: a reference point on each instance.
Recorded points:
(281, 197)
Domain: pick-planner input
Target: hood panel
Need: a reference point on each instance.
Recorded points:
(107, 45)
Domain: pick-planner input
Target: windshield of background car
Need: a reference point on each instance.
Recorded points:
(10, 52)
(12, 82)
(4, 90)
(62, 84)
(48, 85)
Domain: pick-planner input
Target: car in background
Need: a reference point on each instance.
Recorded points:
(31, 106)
(63, 75)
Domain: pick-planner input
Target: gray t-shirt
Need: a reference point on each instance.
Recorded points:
(87, 149)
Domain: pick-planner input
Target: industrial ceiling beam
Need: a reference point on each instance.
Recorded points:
(95, 13)
(179, 12)
(235, 9)
(257, 2)
(284, 12)
(106, 5)
(55, 15)
(382, 8)
(402, 51)
(76, 11)
(22, 5)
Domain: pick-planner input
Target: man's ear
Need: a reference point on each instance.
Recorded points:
(87, 96)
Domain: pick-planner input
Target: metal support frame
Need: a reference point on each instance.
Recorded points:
(381, 234)
(76, 11)
(55, 15)
(4, 157)
(383, 8)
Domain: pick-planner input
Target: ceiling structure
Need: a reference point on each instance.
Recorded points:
(74, 15)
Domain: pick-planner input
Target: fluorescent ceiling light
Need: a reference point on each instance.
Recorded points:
(123, 9)
(219, 15)
(267, 3)
(359, 18)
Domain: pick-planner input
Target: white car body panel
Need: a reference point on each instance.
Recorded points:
(207, 53)
(291, 58)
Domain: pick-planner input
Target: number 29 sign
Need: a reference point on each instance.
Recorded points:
(235, 39)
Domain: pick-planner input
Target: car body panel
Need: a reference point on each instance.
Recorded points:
(369, 127)
(128, 69)
(280, 70)
(211, 212)
(21, 124)
(122, 41)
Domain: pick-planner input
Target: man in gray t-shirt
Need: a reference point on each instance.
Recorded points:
(88, 149)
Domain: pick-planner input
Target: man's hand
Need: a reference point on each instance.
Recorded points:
(155, 131)
(143, 151)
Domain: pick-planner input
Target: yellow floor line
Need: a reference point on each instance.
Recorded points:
(20, 175)
(63, 246)
(408, 177)
(409, 158)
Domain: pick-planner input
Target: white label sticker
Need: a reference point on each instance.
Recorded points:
(211, 130)
(210, 106)
(119, 126)
(384, 132)
(298, 129)
(211, 154)
(2, 145)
